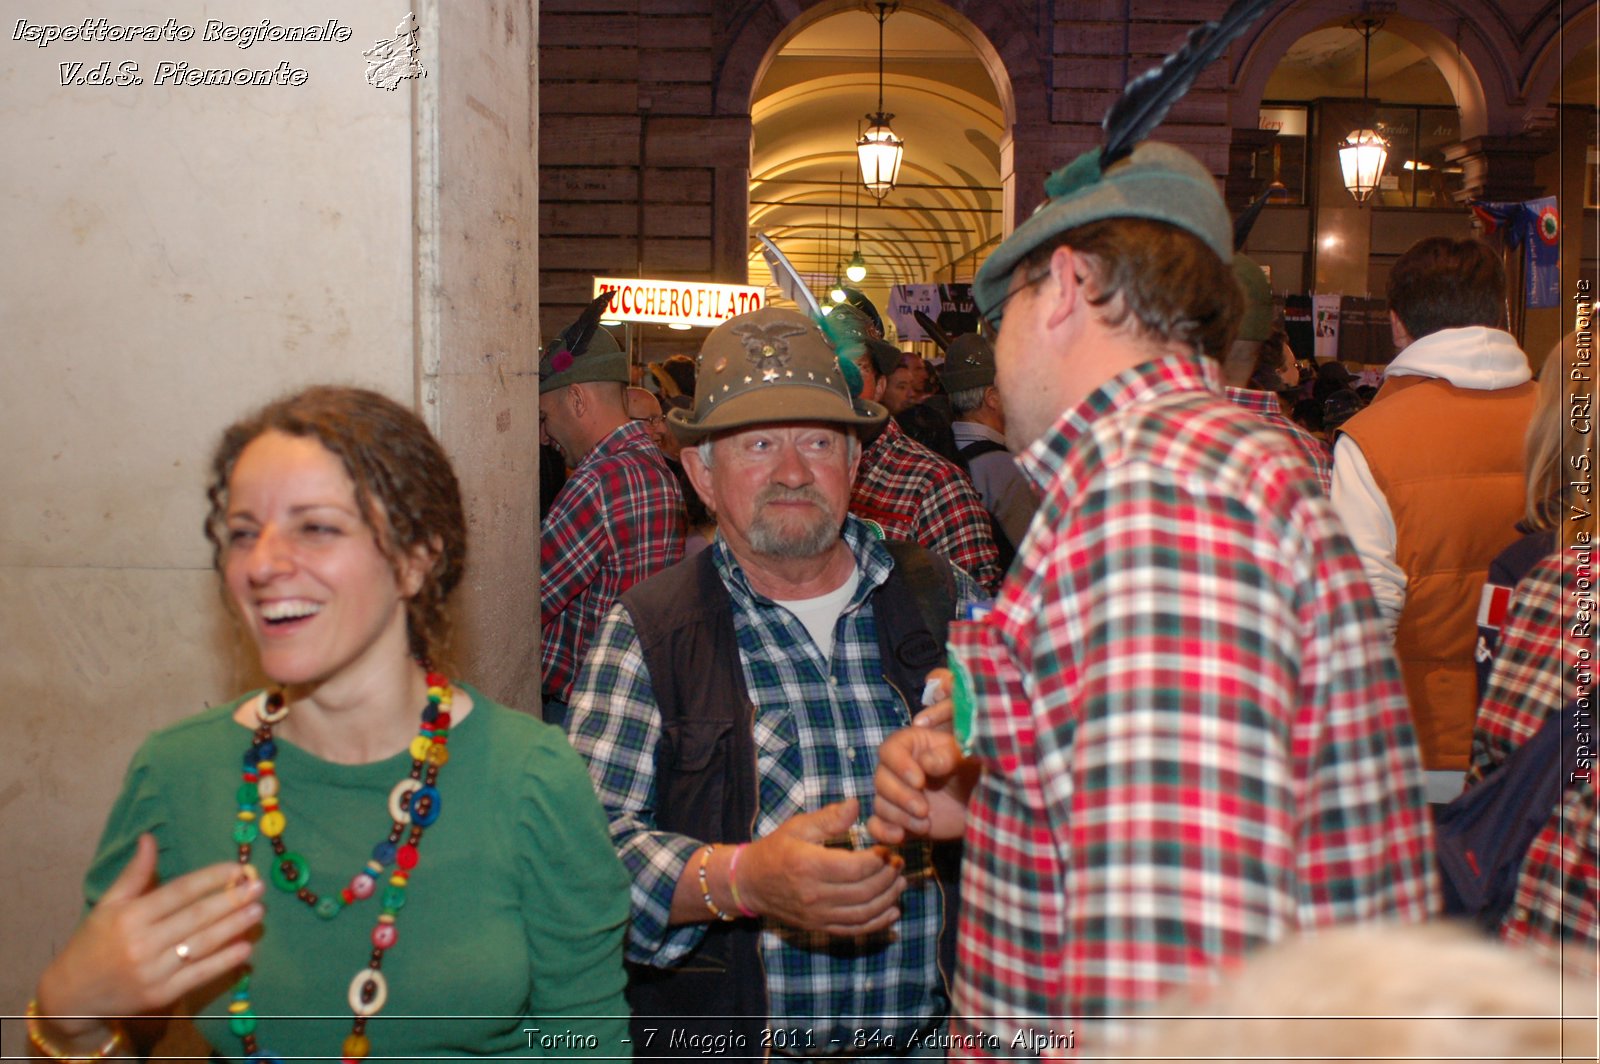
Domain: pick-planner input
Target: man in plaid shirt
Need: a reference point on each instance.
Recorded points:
(729, 711)
(913, 494)
(1557, 906)
(1190, 736)
(618, 518)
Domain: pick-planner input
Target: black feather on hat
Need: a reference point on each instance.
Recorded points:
(1125, 178)
(575, 338)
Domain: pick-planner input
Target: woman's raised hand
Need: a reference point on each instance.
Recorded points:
(145, 945)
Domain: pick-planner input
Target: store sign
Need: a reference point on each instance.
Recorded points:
(677, 302)
(950, 306)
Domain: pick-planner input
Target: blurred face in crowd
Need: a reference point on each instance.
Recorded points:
(644, 407)
(907, 385)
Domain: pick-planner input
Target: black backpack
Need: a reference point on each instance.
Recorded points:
(1002, 542)
(1482, 836)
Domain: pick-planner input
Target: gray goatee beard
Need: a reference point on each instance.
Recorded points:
(773, 539)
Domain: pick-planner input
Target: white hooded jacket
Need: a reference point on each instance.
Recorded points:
(1476, 357)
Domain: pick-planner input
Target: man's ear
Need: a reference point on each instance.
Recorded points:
(699, 473)
(1397, 331)
(1064, 289)
(578, 399)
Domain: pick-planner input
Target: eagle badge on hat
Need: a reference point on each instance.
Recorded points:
(766, 346)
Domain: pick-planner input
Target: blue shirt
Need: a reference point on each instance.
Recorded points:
(818, 725)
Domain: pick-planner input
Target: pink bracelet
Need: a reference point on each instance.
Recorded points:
(733, 884)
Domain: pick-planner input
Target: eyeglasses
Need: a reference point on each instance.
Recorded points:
(655, 421)
(992, 315)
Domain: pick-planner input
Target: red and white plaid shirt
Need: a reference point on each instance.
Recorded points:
(913, 494)
(1194, 735)
(1265, 406)
(1536, 664)
(617, 520)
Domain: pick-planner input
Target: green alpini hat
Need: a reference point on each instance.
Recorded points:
(583, 352)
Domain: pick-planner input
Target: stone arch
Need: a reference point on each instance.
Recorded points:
(1549, 55)
(1012, 51)
(1481, 73)
(1014, 55)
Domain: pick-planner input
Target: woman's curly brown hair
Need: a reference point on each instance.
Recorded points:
(404, 485)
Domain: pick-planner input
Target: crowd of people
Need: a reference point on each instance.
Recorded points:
(888, 713)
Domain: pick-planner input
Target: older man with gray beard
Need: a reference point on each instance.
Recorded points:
(730, 710)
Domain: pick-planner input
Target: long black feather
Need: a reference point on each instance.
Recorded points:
(579, 333)
(1147, 98)
(1247, 217)
(940, 338)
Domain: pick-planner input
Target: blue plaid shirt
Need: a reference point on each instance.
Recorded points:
(818, 724)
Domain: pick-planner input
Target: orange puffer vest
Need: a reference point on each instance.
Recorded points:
(1449, 461)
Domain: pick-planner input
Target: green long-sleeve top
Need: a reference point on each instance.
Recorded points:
(513, 918)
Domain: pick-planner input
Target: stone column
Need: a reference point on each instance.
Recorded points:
(477, 269)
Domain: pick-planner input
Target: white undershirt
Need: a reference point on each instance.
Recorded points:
(820, 615)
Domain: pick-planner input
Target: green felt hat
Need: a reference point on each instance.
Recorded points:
(1157, 181)
(764, 367)
(570, 359)
(1256, 324)
(848, 328)
(968, 363)
(885, 356)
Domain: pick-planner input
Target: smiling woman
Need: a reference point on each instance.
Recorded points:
(337, 529)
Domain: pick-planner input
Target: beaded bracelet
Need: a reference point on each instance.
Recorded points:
(705, 887)
(733, 884)
(37, 1038)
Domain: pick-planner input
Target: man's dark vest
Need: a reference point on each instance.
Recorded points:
(706, 784)
(1002, 542)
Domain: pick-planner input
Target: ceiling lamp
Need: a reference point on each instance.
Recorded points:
(856, 269)
(879, 149)
(836, 292)
(1364, 153)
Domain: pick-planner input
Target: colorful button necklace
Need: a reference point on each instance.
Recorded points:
(413, 804)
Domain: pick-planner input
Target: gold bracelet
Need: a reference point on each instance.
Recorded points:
(36, 1037)
(705, 887)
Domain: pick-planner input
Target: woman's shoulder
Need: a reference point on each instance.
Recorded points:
(520, 744)
(512, 732)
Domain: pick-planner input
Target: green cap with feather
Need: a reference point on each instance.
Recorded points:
(583, 352)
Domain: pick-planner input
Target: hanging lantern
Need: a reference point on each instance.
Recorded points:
(1363, 153)
(1362, 157)
(878, 149)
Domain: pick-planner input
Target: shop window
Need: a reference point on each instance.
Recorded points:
(1284, 160)
(1417, 173)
